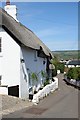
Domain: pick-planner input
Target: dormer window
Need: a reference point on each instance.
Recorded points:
(0, 45)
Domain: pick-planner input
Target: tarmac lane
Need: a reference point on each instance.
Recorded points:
(63, 103)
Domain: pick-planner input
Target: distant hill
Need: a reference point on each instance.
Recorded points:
(66, 55)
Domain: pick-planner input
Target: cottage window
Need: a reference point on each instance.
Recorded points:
(0, 45)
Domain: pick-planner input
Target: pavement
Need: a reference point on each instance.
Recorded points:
(10, 104)
(63, 103)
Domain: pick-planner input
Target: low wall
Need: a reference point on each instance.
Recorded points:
(4, 90)
(45, 91)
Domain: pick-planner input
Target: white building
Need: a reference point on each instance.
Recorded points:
(21, 53)
(73, 63)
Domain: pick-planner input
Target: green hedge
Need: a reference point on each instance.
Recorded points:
(73, 73)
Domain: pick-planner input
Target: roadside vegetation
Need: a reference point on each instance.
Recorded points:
(58, 66)
(73, 73)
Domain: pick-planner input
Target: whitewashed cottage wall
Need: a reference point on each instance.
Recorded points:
(30, 65)
(10, 60)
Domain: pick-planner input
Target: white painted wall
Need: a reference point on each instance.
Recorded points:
(71, 66)
(12, 71)
(77, 65)
(31, 64)
(4, 90)
(10, 60)
(58, 71)
(23, 80)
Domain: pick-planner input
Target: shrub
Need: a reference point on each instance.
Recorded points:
(61, 67)
(46, 82)
(43, 74)
(58, 66)
(54, 72)
(73, 73)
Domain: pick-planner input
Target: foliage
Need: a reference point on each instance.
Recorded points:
(73, 73)
(55, 61)
(58, 66)
(54, 72)
(46, 82)
(43, 74)
(34, 77)
(61, 67)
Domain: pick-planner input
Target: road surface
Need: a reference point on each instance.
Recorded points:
(63, 103)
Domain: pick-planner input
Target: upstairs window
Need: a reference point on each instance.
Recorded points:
(0, 45)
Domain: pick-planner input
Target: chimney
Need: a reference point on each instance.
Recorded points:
(7, 2)
(11, 10)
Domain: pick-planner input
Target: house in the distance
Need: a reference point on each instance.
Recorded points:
(21, 53)
(72, 63)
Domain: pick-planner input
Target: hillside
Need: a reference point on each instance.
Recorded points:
(66, 55)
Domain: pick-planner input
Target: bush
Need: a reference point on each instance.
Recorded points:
(73, 73)
(61, 67)
(58, 66)
(54, 72)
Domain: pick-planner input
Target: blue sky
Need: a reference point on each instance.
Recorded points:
(55, 23)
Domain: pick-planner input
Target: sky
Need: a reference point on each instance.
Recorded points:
(55, 23)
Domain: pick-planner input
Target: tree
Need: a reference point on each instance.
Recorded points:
(61, 67)
(55, 62)
(58, 65)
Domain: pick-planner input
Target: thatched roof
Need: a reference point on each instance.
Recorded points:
(24, 35)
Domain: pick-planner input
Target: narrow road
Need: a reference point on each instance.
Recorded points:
(63, 103)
